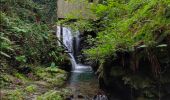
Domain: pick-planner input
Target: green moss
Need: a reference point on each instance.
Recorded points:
(5, 79)
(54, 70)
(51, 95)
(49, 76)
(52, 75)
(14, 95)
(65, 92)
(31, 88)
(21, 77)
(55, 82)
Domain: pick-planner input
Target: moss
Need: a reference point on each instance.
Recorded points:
(65, 92)
(54, 70)
(51, 95)
(14, 95)
(40, 72)
(31, 88)
(54, 82)
(49, 77)
(21, 77)
(52, 75)
(6, 79)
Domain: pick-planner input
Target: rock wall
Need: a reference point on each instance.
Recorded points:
(127, 82)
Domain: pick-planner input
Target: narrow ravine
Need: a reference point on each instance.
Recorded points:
(85, 50)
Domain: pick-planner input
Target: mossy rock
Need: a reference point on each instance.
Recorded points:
(52, 75)
(48, 72)
(54, 81)
(7, 78)
(51, 95)
(4, 79)
(54, 70)
(41, 73)
(65, 92)
(14, 95)
(31, 88)
(21, 77)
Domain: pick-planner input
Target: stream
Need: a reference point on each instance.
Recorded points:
(83, 82)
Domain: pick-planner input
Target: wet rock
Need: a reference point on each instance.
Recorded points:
(167, 97)
(167, 88)
(24, 69)
(80, 96)
(70, 97)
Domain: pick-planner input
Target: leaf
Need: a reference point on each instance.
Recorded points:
(18, 30)
(162, 45)
(4, 54)
(21, 58)
(53, 64)
(5, 39)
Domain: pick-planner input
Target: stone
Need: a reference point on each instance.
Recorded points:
(80, 96)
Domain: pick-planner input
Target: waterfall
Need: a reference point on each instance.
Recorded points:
(81, 76)
(71, 41)
(68, 42)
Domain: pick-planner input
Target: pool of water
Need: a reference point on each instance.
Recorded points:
(83, 82)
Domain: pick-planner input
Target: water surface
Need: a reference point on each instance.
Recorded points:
(83, 82)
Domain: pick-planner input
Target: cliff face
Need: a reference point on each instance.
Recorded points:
(78, 8)
(120, 78)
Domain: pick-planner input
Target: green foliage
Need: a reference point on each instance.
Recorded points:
(4, 80)
(53, 70)
(25, 35)
(51, 95)
(17, 86)
(15, 95)
(52, 64)
(48, 9)
(52, 75)
(6, 46)
(21, 77)
(31, 88)
(123, 25)
(21, 59)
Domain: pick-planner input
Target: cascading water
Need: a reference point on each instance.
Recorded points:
(71, 41)
(68, 42)
(82, 79)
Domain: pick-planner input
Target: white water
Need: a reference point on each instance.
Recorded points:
(73, 48)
